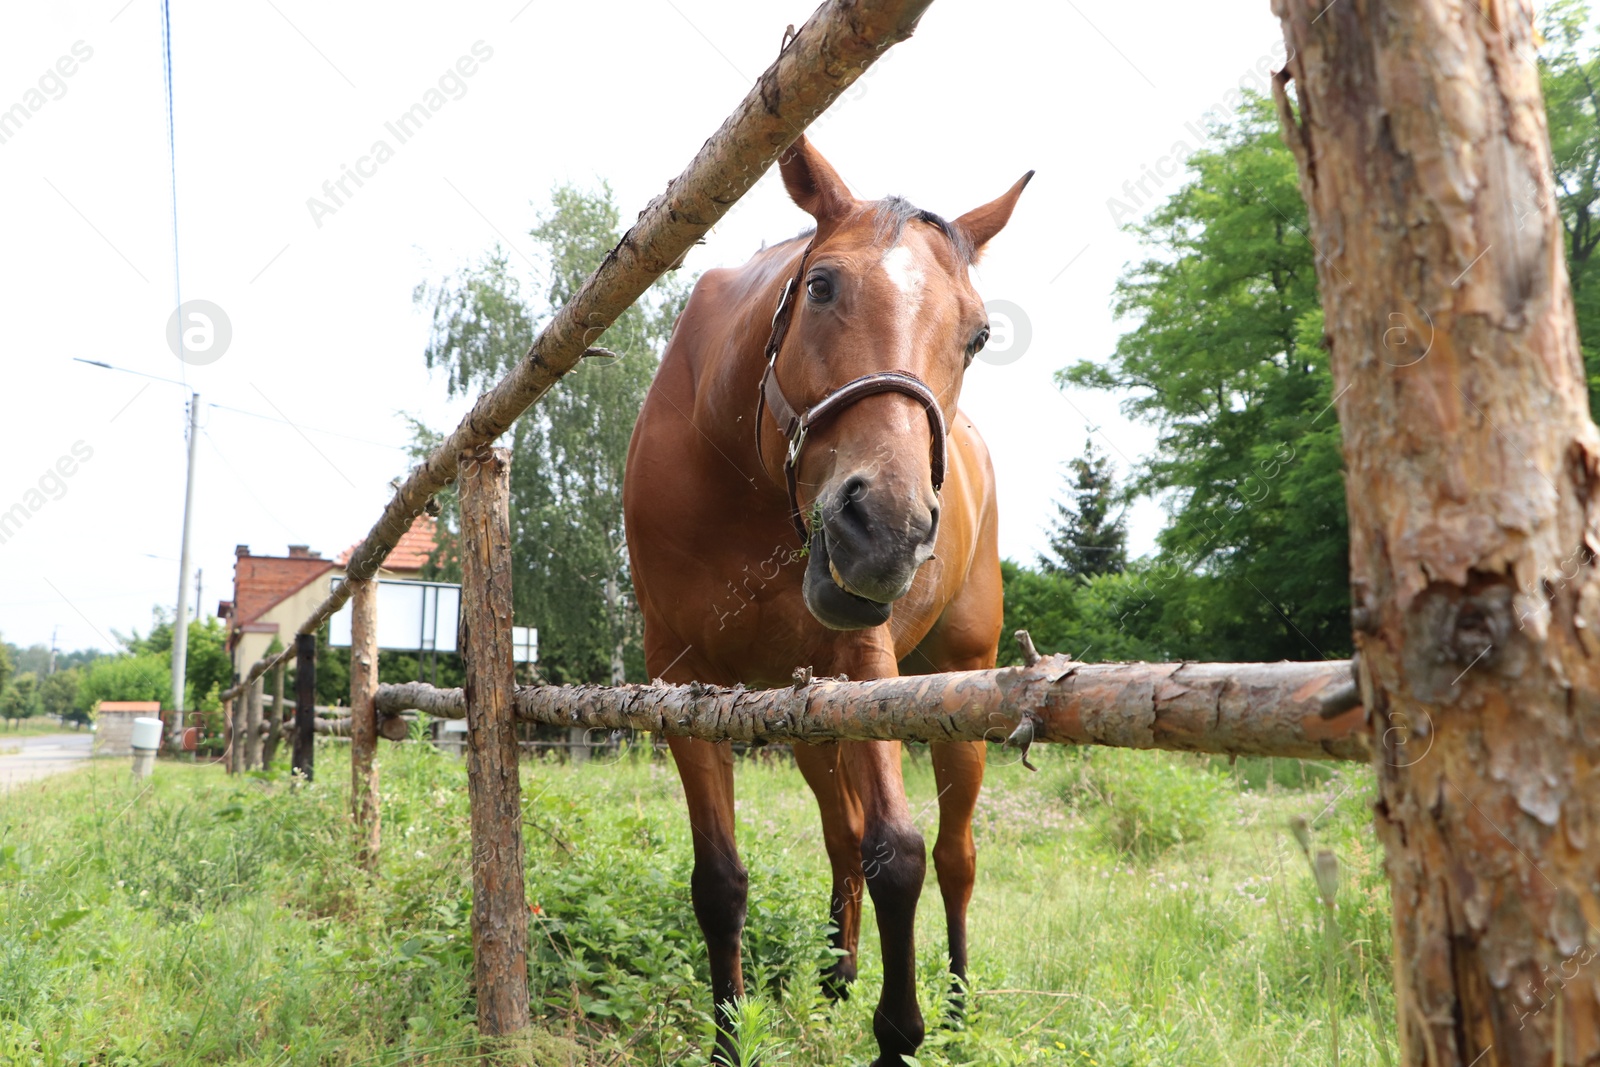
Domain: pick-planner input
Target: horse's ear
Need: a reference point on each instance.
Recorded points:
(982, 223)
(812, 182)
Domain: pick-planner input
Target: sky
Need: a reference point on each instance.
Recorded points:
(303, 410)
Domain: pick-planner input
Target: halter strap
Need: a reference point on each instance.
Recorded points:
(796, 425)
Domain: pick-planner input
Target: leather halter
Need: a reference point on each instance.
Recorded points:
(796, 425)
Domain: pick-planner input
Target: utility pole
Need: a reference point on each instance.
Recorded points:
(180, 621)
(199, 592)
(52, 668)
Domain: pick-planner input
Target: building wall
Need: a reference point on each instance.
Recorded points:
(113, 732)
(287, 614)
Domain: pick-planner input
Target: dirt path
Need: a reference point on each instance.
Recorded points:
(28, 758)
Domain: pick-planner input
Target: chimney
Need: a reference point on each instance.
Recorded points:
(241, 550)
(299, 551)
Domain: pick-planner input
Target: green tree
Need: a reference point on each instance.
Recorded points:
(142, 677)
(209, 666)
(1084, 539)
(1225, 360)
(58, 694)
(20, 700)
(569, 450)
(7, 665)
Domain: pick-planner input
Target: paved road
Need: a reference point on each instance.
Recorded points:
(40, 757)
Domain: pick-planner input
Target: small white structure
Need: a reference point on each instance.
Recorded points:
(146, 740)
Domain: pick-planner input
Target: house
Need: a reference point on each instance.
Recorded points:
(273, 595)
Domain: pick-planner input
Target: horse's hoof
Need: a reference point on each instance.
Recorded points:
(836, 983)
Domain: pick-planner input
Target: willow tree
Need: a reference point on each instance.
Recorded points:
(1473, 474)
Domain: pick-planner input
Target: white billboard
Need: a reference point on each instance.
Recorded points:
(412, 617)
(422, 617)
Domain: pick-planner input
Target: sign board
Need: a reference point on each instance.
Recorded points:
(412, 617)
(422, 617)
(525, 644)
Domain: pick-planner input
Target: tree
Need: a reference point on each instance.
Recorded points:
(1472, 464)
(209, 666)
(20, 700)
(7, 665)
(1225, 360)
(1084, 539)
(58, 694)
(568, 452)
(127, 677)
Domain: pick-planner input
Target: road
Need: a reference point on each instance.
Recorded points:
(40, 757)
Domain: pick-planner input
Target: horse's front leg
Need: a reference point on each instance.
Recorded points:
(842, 829)
(719, 886)
(958, 773)
(894, 863)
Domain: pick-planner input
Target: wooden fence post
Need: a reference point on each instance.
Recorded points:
(364, 809)
(269, 748)
(499, 902)
(252, 728)
(305, 712)
(236, 714)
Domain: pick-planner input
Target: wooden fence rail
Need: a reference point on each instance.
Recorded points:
(1299, 710)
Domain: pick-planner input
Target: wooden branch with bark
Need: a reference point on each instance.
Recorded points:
(818, 63)
(1236, 709)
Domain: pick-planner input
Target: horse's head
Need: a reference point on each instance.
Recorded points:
(871, 348)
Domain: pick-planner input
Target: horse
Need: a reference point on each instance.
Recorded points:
(801, 491)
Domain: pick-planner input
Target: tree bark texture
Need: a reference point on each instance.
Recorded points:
(305, 713)
(819, 62)
(499, 900)
(252, 728)
(236, 739)
(269, 747)
(1245, 709)
(1472, 467)
(364, 806)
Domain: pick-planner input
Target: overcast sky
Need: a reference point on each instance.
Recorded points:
(273, 98)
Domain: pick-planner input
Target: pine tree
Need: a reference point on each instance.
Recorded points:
(1084, 539)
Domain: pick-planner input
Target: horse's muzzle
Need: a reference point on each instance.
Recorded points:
(865, 551)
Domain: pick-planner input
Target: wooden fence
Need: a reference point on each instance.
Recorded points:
(1304, 710)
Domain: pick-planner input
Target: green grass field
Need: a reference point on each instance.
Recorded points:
(1132, 908)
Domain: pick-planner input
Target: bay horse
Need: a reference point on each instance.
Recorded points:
(802, 491)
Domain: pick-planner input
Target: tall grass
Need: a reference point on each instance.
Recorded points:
(1131, 909)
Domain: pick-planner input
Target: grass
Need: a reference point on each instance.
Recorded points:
(1131, 909)
(39, 726)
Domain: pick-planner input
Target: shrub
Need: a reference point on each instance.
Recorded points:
(1145, 803)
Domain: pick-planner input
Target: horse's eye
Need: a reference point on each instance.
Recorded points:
(819, 289)
(977, 343)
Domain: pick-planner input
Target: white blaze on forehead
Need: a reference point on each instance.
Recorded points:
(900, 264)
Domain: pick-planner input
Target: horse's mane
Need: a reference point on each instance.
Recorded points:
(893, 212)
(890, 215)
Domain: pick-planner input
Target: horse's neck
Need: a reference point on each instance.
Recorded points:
(732, 382)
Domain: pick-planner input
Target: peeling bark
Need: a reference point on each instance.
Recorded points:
(1471, 461)
(1245, 709)
(499, 898)
(364, 807)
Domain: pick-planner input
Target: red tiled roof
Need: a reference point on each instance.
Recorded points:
(410, 552)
